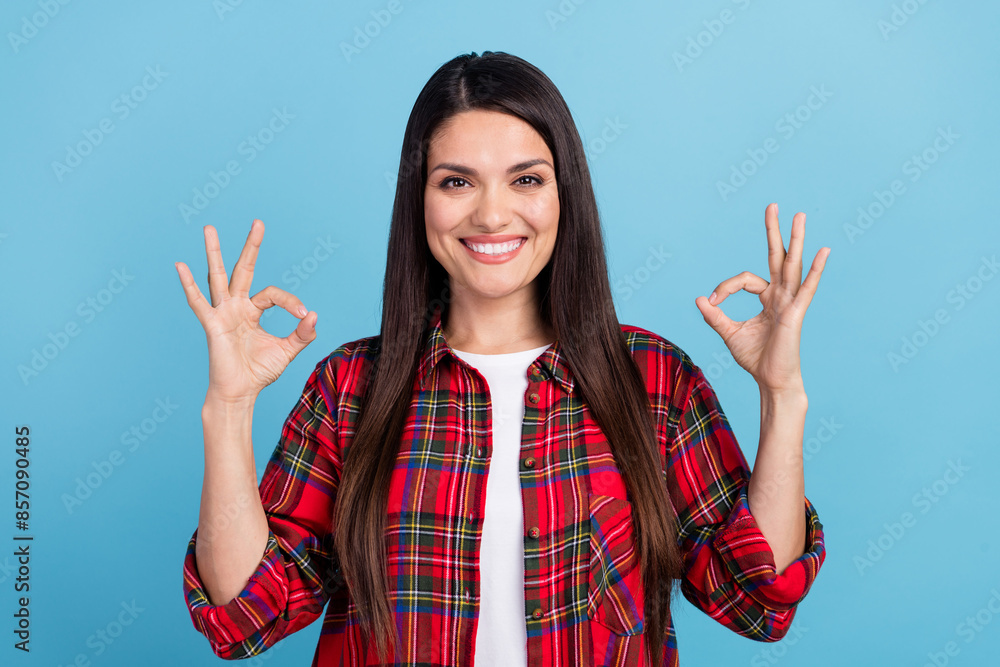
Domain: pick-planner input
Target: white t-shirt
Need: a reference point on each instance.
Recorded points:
(501, 636)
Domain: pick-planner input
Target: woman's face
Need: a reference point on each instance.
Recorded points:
(491, 204)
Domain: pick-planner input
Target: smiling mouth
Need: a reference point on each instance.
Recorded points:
(494, 248)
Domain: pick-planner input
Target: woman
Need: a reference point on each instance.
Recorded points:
(506, 474)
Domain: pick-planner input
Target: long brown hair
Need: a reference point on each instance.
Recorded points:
(575, 300)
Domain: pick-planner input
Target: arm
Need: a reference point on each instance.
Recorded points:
(767, 347)
(261, 552)
(730, 571)
(233, 525)
(777, 485)
(292, 578)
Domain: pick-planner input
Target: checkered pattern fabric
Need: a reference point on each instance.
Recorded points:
(583, 594)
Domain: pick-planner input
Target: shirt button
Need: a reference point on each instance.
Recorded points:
(482, 451)
(529, 462)
(468, 596)
(533, 532)
(538, 613)
(533, 397)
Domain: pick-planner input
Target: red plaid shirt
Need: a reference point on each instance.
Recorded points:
(583, 599)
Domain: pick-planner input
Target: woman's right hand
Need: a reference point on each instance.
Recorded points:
(242, 357)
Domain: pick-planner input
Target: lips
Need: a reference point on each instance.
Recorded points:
(494, 247)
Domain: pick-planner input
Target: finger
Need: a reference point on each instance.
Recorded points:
(239, 284)
(195, 298)
(805, 295)
(715, 317)
(792, 269)
(275, 296)
(218, 282)
(304, 334)
(746, 280)
(775, 246)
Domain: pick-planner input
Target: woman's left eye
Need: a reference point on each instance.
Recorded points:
(532, 178)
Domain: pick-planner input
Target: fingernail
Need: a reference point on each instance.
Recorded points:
(711, 297)
(302, 311)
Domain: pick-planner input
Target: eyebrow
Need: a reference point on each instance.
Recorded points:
(469, 171)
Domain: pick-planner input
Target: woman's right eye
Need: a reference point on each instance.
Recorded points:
(445, 182)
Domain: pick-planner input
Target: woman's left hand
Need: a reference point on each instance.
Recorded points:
(767, 345)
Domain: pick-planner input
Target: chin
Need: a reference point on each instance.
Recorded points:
(493, 290)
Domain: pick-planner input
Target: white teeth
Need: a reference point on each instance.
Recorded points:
(494, 248)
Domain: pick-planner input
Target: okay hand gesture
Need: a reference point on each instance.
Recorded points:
(767, 345)
(242, 357)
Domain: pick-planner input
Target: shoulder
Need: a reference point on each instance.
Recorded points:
(653, 348)
(342, 373)
(669, 372)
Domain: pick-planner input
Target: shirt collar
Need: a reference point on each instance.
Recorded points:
(552, 362)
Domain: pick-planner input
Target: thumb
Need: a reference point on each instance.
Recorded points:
(714, 316)
(304, 333)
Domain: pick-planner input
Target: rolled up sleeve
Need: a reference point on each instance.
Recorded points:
(730, 572)
(297, 572)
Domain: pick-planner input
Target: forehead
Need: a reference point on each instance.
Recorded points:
(488, 136)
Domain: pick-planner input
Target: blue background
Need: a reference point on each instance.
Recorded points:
(327, 177)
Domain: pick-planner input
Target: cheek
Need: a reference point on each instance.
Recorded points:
(435, 221)
(543, 212)
(430, 214)
(440, 214)
(550, 214)
(547, 215)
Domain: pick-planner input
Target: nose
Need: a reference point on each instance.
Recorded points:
(492, 211)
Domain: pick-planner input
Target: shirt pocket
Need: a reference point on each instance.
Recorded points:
(615, 595)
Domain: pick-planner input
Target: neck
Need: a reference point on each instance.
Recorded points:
(496, 326)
